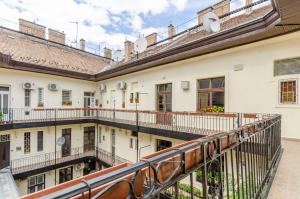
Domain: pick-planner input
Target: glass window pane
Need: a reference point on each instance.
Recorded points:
(218, 99)
(218, 82)
(204, 83)
(203, 100)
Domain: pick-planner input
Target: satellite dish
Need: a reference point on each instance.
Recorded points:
(118, 55)
(211, 23)
(140, 45)
(60, 141)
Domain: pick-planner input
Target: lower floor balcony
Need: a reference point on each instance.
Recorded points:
(240, 163)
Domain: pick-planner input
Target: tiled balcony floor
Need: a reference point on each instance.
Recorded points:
(286, 183)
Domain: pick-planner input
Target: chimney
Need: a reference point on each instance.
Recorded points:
(201, 14)
(107, 53)
(151, 39)
(220, 9)
(56, 36)
(82, 44)
(128, 46)
(32, 28)
(171, 31)
(249, 10)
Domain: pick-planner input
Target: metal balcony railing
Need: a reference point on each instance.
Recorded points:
(188, 122)
(236, 164)
(42, 160)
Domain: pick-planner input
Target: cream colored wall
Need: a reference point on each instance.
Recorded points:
(22, 184)
(14, 79)
(254, 89)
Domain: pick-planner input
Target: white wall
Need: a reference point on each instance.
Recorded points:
(254, 89)
(15, 79)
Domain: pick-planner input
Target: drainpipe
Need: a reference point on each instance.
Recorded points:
(55, 145)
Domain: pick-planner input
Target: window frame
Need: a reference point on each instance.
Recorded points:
(27, 141)
(40, 143)
(210, 90)
(40, 97)
(280, 92)
(63, 100)
(27, 97)
(36, 183)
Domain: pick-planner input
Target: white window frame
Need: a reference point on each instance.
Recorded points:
(41, 96)
(27, 91)
(63, 97)
(36, 184)
(279, 91)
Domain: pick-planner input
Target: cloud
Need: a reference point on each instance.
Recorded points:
(93, 16)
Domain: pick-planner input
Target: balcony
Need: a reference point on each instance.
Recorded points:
(50, 160)
(239, 163)
(180, 125)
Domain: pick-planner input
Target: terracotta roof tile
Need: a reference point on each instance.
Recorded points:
(32, 50)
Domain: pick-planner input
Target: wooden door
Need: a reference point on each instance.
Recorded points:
(4, 154)
(164, 104)
(89, 138)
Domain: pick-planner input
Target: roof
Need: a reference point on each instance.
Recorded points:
(32, 50)
(273, 20)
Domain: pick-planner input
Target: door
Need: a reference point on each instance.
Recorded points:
(4, 151)
(89, 102)
(113, 146)
(66, 147)
(164, 103)
(89, 138)
(4, 103)
(65, 174)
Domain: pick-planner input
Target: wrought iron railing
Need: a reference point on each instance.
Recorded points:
(188, 122)
(42, 160)
(237, 164)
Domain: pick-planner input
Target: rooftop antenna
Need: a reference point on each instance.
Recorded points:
(76, 22)
(211, 22)
(140, 45)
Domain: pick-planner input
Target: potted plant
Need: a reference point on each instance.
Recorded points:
(67, 103)
(1, 118)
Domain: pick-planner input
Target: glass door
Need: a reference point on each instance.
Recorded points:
(89, 102)
(89, 138)
(113, 146)
(66, 147)
(4, 103)
(164, 103)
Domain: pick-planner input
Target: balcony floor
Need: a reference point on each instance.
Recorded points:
(286, 183)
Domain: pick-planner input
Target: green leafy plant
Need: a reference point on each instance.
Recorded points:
(213, 109)
(1, 116)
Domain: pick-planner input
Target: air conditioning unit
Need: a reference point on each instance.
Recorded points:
(52, 87)
(122, 85)
(102, 88)
(185, 85)
(29, 85)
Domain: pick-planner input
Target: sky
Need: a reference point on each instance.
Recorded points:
(103, 23)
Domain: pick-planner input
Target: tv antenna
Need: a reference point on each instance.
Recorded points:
(140, 45)
(76, 22)
(211, 22)
(60, 141)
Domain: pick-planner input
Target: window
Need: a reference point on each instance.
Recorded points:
(287, 67)
(40, 97)
(131, 97)
(40, 141)
(103, 138)
(131, 143)
(137, 97)
(66, 97)
(210, 93)
(27, 142)
(162, 144)
(100, 135)
(288, 92)
(65, 174)
(27, 97)
(35, 183)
